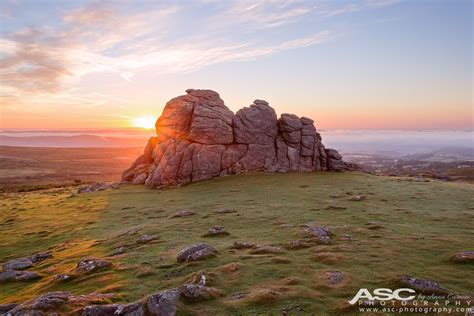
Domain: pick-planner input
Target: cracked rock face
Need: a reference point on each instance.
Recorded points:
(199, 138)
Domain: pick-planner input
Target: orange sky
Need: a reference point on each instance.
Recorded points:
(349, 64)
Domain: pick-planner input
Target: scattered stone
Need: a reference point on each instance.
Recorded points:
(131, 231)
(242, 245)
(193, 292)
(25, 263)
(119, 250)
(18, 264)
(422, 286)
(89, 265)
(334, 277)
(41, 256)
(320, 233)
(132, 309)
(49, 302)
(97, 187)
(216, 231)
(225, 211)
(143, 239)
(196, 252)
(463, 257)
(63, 277)
(287, 310)
(358, 198)
(183, 213)
(58, 303)
(260, 250)
(236, 296)
(21, 276)
(164, 303)
(375, 225)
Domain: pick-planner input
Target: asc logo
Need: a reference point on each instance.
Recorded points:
(382, 294)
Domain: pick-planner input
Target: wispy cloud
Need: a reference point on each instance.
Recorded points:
(112, 37)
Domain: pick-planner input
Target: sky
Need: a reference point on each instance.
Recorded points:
(366, 64)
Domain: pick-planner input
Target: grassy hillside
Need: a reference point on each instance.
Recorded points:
(422, 224)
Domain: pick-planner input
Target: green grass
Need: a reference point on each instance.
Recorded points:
(425, 222)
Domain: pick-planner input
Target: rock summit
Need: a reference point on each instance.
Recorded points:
(198, 137)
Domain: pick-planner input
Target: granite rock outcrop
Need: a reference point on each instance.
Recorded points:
(198, 137)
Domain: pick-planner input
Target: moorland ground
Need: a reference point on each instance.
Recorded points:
(29, 168)
(420, 225)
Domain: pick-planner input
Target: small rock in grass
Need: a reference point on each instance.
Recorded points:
(286, 225)
(242, 245)
(193, 292)
(46, 303)
(334, 277)
(216, 231)
(63, 277)
(89, 265)
(183, 213)
(237, 296)
(143, 239)
(320, 233)
(163, 303)
(422, 286)
(40, 256)
(114, 309)
(18, 264)
(119, 250)
(21, 276)
(259, 250)
(196, 252)
(463, 257)
(287, 310)
(358, 198)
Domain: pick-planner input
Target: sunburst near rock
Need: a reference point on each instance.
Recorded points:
(198, 137)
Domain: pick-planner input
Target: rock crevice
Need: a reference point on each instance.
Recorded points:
(199, 137)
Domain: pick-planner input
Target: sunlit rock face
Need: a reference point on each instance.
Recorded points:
(199, 138)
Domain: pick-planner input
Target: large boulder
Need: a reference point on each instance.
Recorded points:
(256, 124)
(198, 138)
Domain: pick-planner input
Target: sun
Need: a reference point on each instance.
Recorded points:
(144, 122)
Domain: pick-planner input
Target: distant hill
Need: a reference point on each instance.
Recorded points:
(76, 141)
